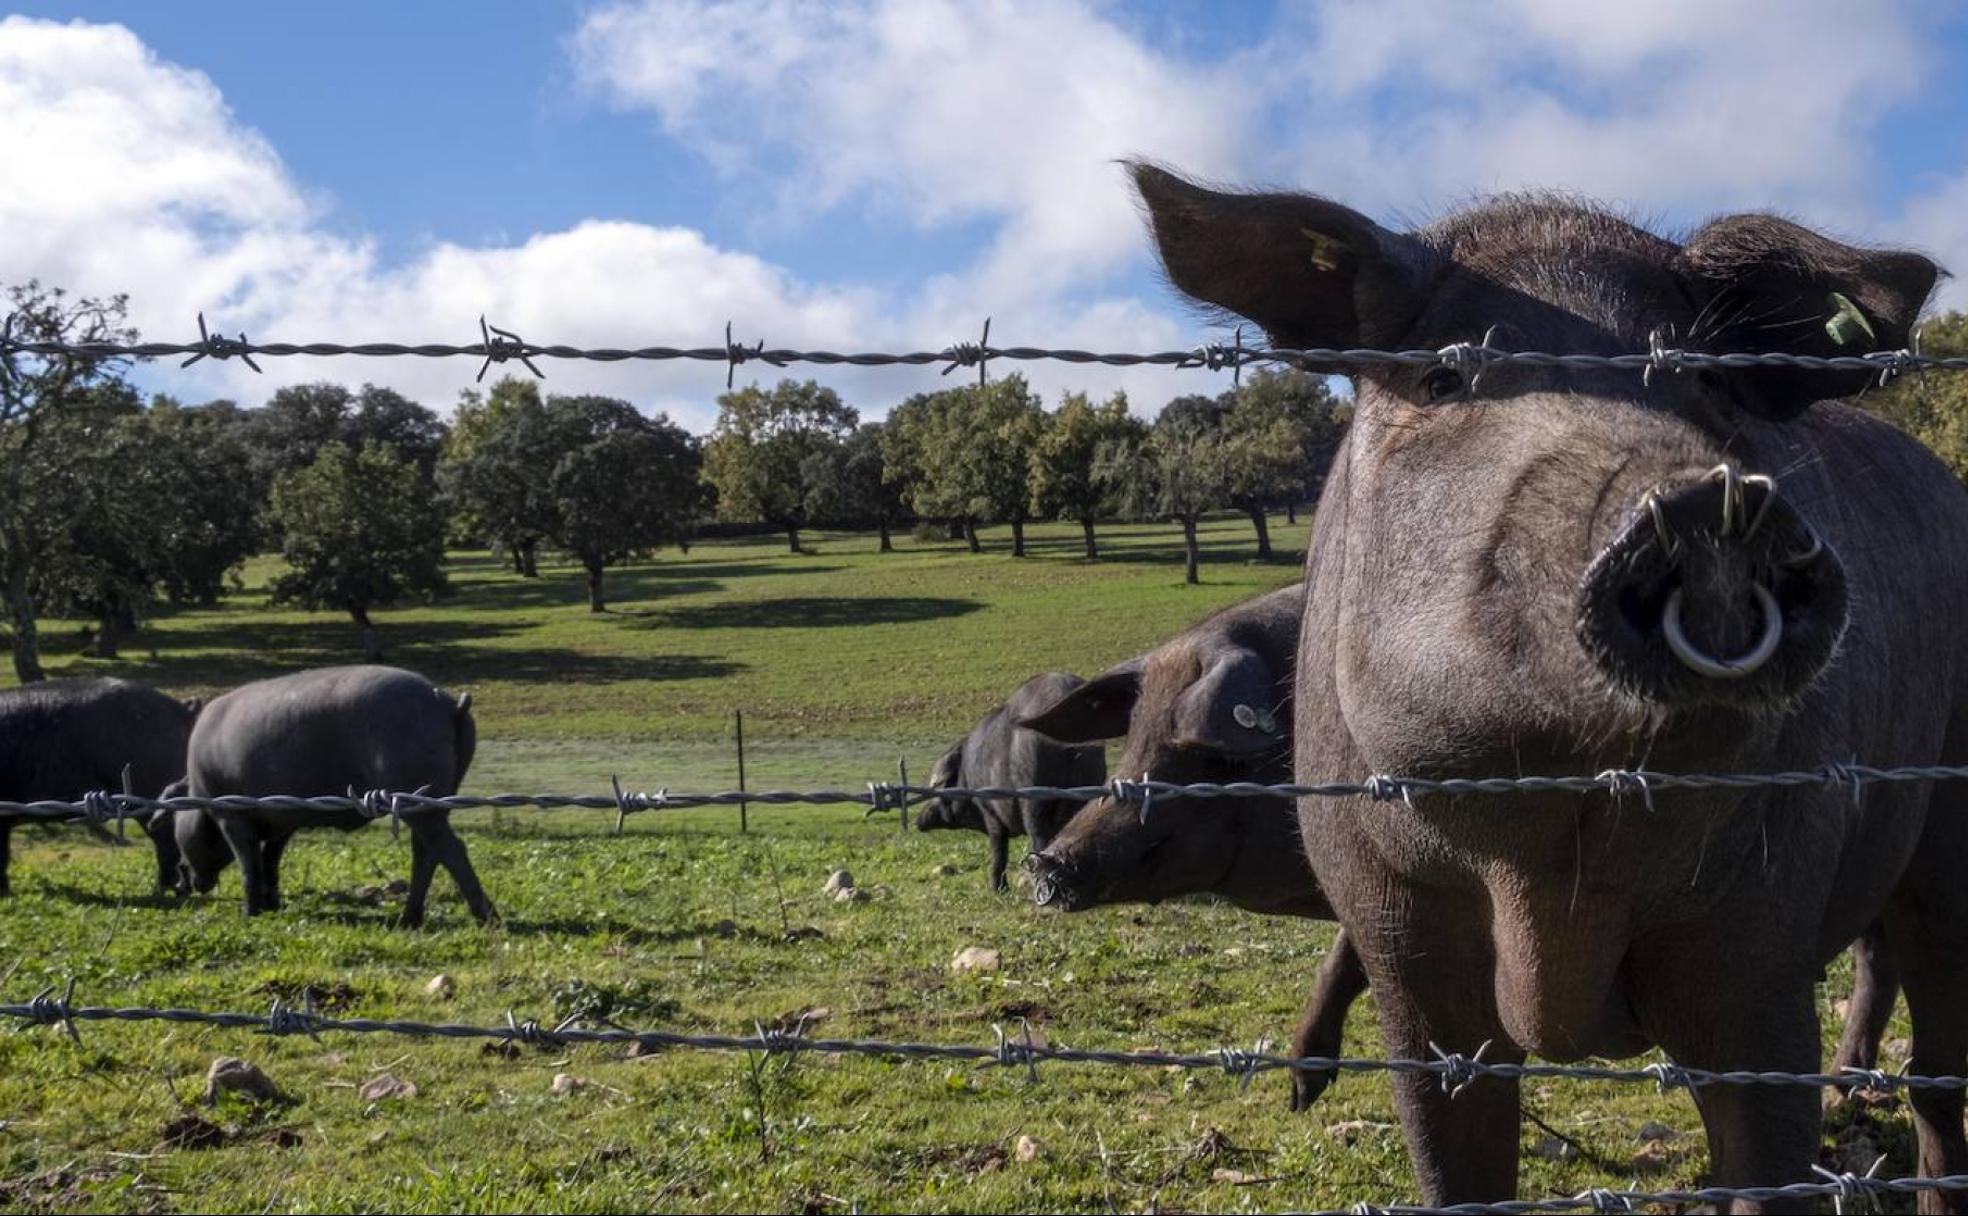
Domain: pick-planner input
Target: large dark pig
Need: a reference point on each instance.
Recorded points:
(1563, 570)
(65, 738)
(323, 732)
(999, 752)
(1214, 704)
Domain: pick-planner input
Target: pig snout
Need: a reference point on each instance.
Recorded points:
(1715, 590)
(1054, 881)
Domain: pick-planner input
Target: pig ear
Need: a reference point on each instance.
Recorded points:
(193, 706)
(1311, 272)
(1233, 708)
(1766, 284)
(1098, 709)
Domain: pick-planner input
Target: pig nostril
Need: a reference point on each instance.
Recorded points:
(1702, 663)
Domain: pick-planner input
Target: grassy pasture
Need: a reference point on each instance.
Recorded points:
(843, 660)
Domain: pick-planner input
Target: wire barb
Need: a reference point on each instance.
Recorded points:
(1662, 357)
(1668, 1075)
(736, 353)
(1471, 360)
(1850, 774)
(283, 1019)
(1013, 1052)
(1216, 356)
(44, 1009)
(499, 345)
(1604, 1200)
(1853, 1188)
(775, 1039)
(971, 354)
(1245, 1065)
(1457, 1069)
(212, 345)
(1620, 782)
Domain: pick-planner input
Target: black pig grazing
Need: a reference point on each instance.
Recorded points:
(65, 738)
(999, 752)
(323, 732)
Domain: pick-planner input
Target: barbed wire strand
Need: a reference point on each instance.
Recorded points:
(103, 806)
(496, 345)
(1454, 1069)
(1022, 1052)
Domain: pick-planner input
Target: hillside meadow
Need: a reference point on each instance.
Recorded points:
(844, 661)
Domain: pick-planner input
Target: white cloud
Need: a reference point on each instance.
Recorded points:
(931, 111)
(1683, 106)
(129, 173)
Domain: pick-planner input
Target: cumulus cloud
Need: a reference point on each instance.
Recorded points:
(932, 111)
(129, 174)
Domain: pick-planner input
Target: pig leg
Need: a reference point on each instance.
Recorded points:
(458, 862)
(1875, 986)
(1000, 849)
(423, 864)
(1935, 975)
(270, 853)
(1765, 1019)
(6, 849)
(1342, 978)
(1937, 995)
(242, 836)
(432, 844)
(1037, 818)
(1434, 985)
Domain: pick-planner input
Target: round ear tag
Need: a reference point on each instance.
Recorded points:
(1267, 723)
(1246, 717)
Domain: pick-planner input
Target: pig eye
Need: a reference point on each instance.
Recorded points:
(1441, 384)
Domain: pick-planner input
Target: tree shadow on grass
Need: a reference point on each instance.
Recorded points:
(221, 654)
(810, 612)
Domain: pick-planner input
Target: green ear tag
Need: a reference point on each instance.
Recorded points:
(1847, 324)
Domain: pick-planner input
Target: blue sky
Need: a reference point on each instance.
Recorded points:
(871, 174)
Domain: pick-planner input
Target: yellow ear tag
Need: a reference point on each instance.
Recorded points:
(1325, 250)
(1847, 323)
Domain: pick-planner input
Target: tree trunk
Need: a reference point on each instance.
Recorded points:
(881, 524)
(1191, 559)
(970, 535)
(108, 629)
(529, 554)
(1086, 526)
(518, 556)
(1291, 511)
(956, 529)
(1263, 526)
(596, 603)
(1018, 538)
(27, 638)
(792, 538)
(372, 642)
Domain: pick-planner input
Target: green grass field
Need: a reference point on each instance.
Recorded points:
(843, 661)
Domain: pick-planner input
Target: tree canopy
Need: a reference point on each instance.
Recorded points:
(360, 529)
(761, 455)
